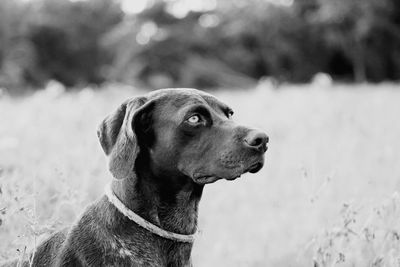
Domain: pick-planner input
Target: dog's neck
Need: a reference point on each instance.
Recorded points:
(171, 206)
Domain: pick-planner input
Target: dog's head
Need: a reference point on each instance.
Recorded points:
(180, 133)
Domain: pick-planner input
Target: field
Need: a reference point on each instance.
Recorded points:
(326, 196)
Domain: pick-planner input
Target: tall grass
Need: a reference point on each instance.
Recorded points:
(324, 198)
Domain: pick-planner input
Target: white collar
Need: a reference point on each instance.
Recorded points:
(142, 222)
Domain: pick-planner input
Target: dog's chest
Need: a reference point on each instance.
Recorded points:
(127, 253)
(130, 252)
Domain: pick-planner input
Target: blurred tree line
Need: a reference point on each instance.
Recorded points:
(228, 43)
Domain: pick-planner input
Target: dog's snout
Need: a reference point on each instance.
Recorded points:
(257, 140)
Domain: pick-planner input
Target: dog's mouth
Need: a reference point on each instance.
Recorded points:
(207, 179)
(255, 167)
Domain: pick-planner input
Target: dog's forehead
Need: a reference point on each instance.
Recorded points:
(179, 98)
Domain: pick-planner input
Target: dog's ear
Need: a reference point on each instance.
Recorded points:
(118, 138)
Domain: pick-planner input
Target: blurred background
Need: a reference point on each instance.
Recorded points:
(204, 44)
(321, 77)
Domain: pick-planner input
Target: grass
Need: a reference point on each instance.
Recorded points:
(326, 196)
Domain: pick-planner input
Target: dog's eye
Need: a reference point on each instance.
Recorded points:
(194, 119)
(230, 114)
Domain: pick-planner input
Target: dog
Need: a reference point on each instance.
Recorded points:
(162, 149)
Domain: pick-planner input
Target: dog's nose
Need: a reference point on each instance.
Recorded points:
(257, 140)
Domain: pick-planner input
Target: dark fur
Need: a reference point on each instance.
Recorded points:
(160, 163)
